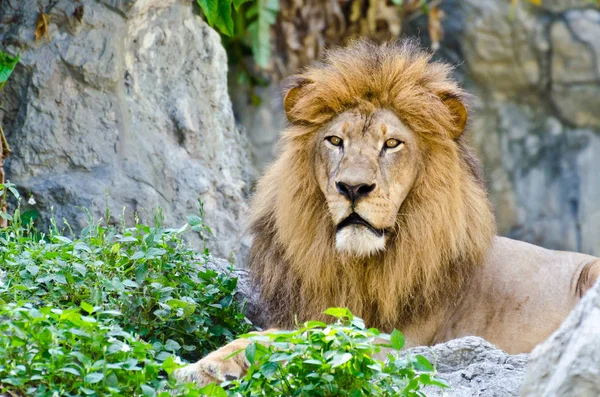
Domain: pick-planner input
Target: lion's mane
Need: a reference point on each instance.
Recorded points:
(443, 228)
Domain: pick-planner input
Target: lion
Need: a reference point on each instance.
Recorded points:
(377, 203)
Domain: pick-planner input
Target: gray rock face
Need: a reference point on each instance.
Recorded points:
(129, 103)
(262, 124)
(535, 117)
(474, 367)
(568, 363)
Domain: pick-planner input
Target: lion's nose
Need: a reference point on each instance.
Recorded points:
(354, 192)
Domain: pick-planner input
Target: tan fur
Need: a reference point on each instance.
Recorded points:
(442, 274)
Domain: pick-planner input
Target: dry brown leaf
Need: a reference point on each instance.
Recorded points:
(306, 27)
(435, 28)
(372, 17)
(42, 26)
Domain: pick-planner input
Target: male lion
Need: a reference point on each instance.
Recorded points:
(376, 203)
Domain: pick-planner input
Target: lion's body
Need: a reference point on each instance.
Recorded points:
(515, 300)
(416, 249)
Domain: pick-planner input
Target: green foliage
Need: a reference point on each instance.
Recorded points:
(7, 65)
(251, 29)
(108, 312)
(262, 14)
(48, 351)
(330, 360)
(218, 14)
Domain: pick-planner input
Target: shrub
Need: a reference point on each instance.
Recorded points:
(149, 274)
(48, 351)
(108, 312)
(330, 360)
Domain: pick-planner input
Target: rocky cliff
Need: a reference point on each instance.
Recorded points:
(125, 101)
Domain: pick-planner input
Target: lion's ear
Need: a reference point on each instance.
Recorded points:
(292, 88)
(458, 110)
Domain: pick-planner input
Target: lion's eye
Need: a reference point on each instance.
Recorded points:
(335, 140)
(392, 143)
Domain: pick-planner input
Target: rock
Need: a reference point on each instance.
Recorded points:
(474, 367)
(246, 291)
(559, 6)
(127, 108)
(575, 67)
(568, 363)
(262, 122)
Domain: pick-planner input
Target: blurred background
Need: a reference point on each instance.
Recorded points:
(140, 103)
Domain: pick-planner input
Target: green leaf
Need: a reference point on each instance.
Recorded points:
(81, 269)
(148, 391)
(7, 65)
(69, 370)
(315, 324)
(87, 307)
(422, 364)
(141, 272)
(29, 216)
(251, 352)
(355, 393)
(218, 14)
(339, 313)
(212, 390)
(397, 340)
(172, 346)
(63, 239)
(94, 377)
(259, 30)
(169, 364)
(32, 269)
(439, 382)
(81, 246)
(339, 359)
(269, 369)
(237, 3)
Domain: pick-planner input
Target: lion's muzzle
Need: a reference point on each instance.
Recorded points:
(356, 236)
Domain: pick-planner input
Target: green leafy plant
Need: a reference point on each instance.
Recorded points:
(330, 360)
(7, 65)
(109, 312)
(252, 26)
(149, 274)
(49, 351)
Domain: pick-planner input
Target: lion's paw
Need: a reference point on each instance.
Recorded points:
(217, 367)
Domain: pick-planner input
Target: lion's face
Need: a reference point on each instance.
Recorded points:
(366, 164)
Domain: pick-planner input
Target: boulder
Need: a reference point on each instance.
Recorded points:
(568, 363)
(474, 368)
(124, 103)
